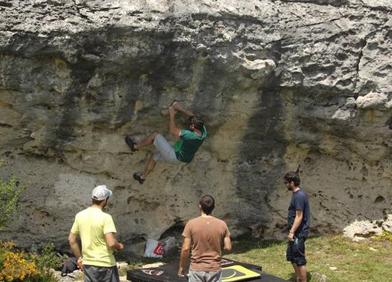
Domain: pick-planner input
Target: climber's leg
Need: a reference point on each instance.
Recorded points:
(149, 140)
(150, 164)
(164, 152)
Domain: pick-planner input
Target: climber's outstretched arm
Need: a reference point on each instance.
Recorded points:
(178, 107)
(173, 129)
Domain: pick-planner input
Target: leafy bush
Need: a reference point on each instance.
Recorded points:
(48, 258)
(16, 266)
(10, 192)
(385, 236)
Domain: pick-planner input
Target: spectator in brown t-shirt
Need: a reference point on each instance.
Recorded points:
(204, 236)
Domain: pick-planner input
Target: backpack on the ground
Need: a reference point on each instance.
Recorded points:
(69, 266)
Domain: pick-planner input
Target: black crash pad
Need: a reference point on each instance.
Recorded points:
(168, 273)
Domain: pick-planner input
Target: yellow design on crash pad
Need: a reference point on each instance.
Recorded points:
(237, 273)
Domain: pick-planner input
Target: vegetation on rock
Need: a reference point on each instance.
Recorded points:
(17, 265)
(10, 192)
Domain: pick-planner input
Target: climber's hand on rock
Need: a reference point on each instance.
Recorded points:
(176, 105)
(172, 110)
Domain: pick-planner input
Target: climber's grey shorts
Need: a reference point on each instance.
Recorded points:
(165, 151)
(101, 274)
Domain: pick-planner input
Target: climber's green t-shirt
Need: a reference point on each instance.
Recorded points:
(188, 144)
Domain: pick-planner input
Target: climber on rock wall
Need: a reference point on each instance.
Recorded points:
(188, 141)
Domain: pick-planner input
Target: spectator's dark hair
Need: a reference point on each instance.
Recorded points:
(197, 122)
(293, 176)
(97, 202)
(207, 204)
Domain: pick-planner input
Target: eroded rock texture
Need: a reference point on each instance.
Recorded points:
(280, 83)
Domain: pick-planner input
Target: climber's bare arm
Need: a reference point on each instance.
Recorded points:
(178, 107)
(173, 129)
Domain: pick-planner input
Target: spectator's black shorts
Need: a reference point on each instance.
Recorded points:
(100, 274)
(296, 251)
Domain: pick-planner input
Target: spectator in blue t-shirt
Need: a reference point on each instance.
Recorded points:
(298, 220)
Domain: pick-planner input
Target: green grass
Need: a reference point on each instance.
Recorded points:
(350, 261)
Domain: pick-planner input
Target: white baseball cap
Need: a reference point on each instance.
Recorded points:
(101, 192)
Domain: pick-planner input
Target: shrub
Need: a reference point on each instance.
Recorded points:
(48, 258)
(16, 267)
(10, 192)
(19, 266)
(385, 236)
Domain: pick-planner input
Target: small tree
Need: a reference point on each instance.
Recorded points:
(10, 192)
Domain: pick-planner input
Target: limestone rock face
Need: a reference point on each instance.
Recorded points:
(279, 83)
(360, 230)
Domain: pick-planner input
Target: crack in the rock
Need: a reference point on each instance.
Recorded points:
(104, 9)
(378, 8)
(324, 3)
(80, 13)
(360, 56)
(343, 3)
(322, 22)
(357, 64)
(5, 4)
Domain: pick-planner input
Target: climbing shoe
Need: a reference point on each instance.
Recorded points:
(131, 143)
(137, 176)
